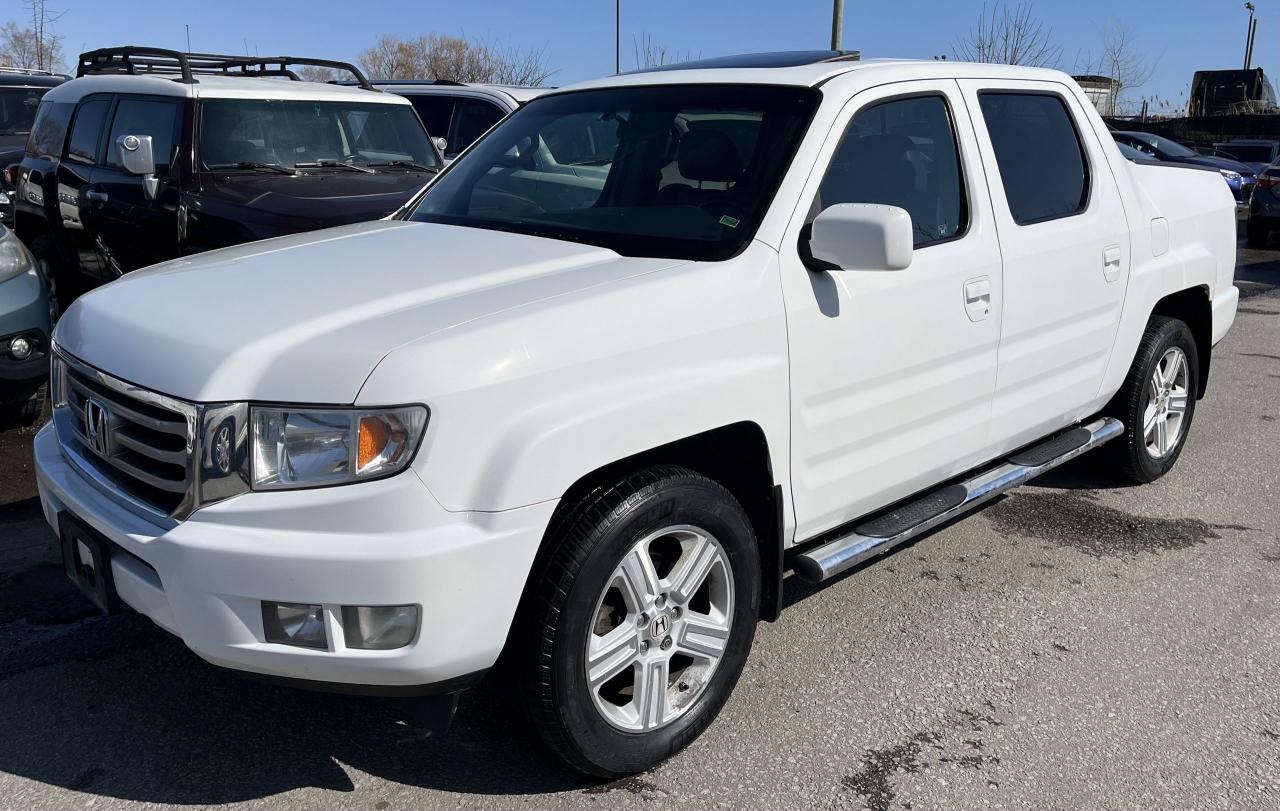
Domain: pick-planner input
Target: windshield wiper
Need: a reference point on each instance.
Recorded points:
(271, 167)
(327, 164)
(421, 167)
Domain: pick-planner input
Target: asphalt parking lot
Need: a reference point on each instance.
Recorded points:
(1075, 644)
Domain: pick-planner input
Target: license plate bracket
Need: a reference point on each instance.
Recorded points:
(86, 559)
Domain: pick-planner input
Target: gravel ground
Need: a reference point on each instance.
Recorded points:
(1075, 644)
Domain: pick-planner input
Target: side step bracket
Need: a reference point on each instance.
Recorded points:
(883, 532)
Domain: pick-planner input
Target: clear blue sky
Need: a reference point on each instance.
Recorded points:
(1183, 35)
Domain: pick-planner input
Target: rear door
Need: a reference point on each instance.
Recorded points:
(78, 207)
(134, 229)
(1064, 240)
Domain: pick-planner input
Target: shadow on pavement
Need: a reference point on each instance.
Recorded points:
(114, 706)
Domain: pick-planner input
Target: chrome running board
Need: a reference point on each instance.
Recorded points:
(832, 558)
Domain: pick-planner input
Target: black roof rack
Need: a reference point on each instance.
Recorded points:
(444, 82)
(774, 59)
(185, 67)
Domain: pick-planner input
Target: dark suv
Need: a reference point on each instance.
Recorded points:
(20, 92)
(150, 154)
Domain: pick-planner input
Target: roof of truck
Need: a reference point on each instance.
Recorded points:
(780, 70)
(212, 86)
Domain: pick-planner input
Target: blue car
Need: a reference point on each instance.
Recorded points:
(25, 329)
(1240, 177)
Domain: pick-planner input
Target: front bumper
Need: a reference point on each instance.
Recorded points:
(24, 310)
(374, 543)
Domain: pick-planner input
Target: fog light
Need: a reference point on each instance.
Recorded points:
(294, 624)
(20, 348)
(379, 627)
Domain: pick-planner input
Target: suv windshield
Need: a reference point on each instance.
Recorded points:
(260, 132)
(683, 171)
(18, 108)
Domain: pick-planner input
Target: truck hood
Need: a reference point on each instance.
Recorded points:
(306, 318)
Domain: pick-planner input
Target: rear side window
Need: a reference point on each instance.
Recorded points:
(471, 118)
(49, 132)
(1041, 161)
(143, 117)
(86, 133)
(435, 112)
(903, 153)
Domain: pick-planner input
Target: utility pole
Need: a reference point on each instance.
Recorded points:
(1252, 32)
(837, 24)
(617, 36)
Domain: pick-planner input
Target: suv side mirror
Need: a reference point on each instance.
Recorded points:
(441, 144)
(863, 236)
(136, 156)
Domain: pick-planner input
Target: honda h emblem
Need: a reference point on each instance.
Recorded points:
(97, 421)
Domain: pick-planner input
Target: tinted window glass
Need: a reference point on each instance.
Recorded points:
(138, 117)
(902, 153)
(581, 140)
(1041, 161)
(18, 107)
(435, 112)
(694, 169)
(86, 134)
(50, 129)
(471, 119)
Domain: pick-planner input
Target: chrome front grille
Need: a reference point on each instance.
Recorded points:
(144, 447)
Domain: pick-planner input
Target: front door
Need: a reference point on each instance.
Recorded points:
(1065, 243)
(892, 373)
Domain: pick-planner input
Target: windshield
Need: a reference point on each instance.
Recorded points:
(1251, 153)
(1173, 149)
(18, 107)
(261, 132)
(682, 171)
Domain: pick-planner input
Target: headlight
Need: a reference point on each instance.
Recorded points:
(309, 447)
(14, 259)
(1229, 175)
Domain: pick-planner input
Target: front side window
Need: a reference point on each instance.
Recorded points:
(683, 171)
(18, 106)
(435, 112)
(902, 153)
(86, 132)
(242, 133)
(144, 117)
(1041, 161)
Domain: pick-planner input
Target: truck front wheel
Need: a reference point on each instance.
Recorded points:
(1157, 401)
(640, 621)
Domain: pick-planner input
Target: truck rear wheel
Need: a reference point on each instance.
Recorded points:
(640, 621)
(1157, 401)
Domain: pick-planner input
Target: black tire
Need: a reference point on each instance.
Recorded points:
(559, 613)
(1256, 236)
(1130, 452)
(46, 264)
(24, 413)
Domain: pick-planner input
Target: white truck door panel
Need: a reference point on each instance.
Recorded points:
(1065, 267)
(892, 372)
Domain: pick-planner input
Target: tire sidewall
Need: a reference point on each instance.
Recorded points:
(613, 750)
(1175, 334)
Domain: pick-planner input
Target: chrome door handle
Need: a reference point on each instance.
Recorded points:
(95, 196)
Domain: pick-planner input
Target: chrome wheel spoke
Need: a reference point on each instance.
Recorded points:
(612, 653)
(640, 577)
(703, 636)
(692, 569)
(651, 693)
(1149, 423)
(1177, 402)
(1173, 366)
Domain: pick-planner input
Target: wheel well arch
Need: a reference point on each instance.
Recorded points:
(737, 457)
(1193, 308)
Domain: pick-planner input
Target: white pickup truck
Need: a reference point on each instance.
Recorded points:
(647, 346)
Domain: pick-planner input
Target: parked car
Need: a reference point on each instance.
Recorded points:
(20, 92)
(1264, 208)
(25, 327)
(1256, 153)
(1240, 177)
(456, 114)
(1212, 152)
(587, 420)
(151, 154)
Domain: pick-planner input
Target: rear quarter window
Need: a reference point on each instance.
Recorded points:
(1041, 160)
(49, 132)
(86, 132)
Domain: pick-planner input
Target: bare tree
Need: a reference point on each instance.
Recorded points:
(1009, 36)
(458, 59)
(37, 46)
(316, 73)
(650, 54)
(1122, 63)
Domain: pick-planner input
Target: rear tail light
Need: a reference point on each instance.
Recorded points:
(11, 173)
(1268, 182)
